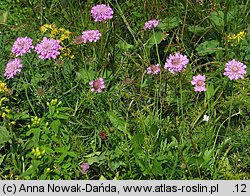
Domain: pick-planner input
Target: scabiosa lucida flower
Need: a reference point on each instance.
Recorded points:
(97, 85)
(48, 48)
(151, 24)
(101, 12)
(176, 62)
(91, 35)
(199, 83)
(235, 70)
(85, 168)
(155, 69)
(13, 67)
(22, 45)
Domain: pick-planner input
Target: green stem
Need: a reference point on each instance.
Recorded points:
(231, 104)
(27, 97)
(156, 47)
(125, 21)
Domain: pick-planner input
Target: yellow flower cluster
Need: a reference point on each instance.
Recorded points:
(2, 100)
(3, 87)
(67, 52)
(5, 111)
(37, 152)
(61, 34)
(35, 121)
(238, 37)
(54, 102)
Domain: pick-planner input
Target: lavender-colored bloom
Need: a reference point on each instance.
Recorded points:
(101, 12)
(48, 48)
(199, 83)
(235, 70)
(13, 67)
(91, 35)
(85, 168)
(97, 85)
(155, 69)
(21, 46)
(151, 24)
(176, 62)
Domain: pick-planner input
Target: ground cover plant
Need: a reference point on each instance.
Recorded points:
(150, 89)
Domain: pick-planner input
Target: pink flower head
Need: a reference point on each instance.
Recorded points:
(91, 36)
(176, 62)
(155, 69)
(13, 67)
(235, 70)
(199, 83)
(101, 12)
(48, 48)
(97, 85)
(21, 46)
(151, 24)
(85, 168)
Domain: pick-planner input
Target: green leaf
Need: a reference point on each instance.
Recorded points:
(217, 19)
(157, 37)
(55, 125)
(36, 135)
(92, 160)
(61, 158)
(118, 122)
(3, 17)
(208, 47)
(32, 169)
(207, 156)
(85, 75)
(102, 178)
(72, 154)
(123, 45)
(2, 158)
(4, 135)
(93, 154)
(169, 23)
(210, 91)
(67, 69)
(197, 29)
(157, 168)
(51, 110)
